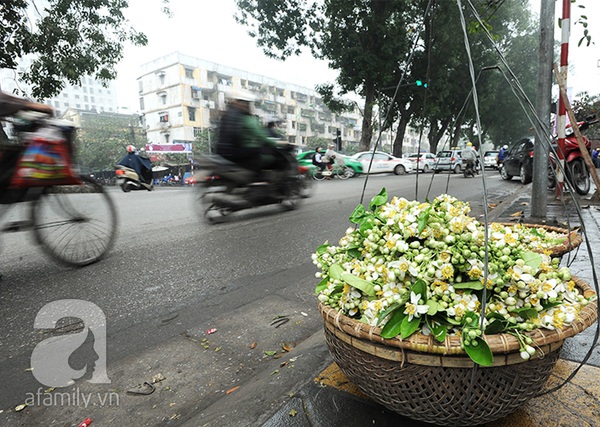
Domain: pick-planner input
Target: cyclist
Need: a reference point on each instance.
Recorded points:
(318, 160)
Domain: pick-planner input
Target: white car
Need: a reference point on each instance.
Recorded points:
(382, 162)
(424, 162)
(489, 159)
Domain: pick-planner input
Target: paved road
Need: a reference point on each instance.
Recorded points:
(168, 265)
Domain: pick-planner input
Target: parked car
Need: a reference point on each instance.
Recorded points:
(518, 161)
(490, 159)
(305, 159)
(448, 160)
(424, 161)
(383, 162)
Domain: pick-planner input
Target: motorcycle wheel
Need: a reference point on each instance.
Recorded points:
(125, 187)
(305, 185)
(208, 210)
(579, 176)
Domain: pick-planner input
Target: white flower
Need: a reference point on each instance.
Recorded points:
(413, 308)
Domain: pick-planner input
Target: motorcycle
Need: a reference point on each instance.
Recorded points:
(575, 171)
(469, 168)
(225, 187)
(134, 172)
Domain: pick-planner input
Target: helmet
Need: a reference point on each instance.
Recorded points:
(240, 95)
(505, 147)
(469, 144)
(130, 149)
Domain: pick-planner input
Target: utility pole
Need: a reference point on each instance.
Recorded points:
(539, 186)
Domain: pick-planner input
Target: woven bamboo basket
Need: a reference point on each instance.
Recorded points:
(435, 382)
(572, 238)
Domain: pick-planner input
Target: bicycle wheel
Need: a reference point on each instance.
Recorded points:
(75, 225)
(317, 175)
(345, 173)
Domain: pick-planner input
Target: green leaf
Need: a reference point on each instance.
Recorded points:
(366, 224)
(475, 285)
(379, 200)
(420, 288)
(322, 249)
(358, 283)
(532, 259)
(481, 354)
(424, 219)
(354, 253)
(387, 311)
(433, 307)
(438, 330)
(335, 272)
(495, 327)
(530, 313)
(393, 326)
(321, 286)
(358, 214)
(408, 328)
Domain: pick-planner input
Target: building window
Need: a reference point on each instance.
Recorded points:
(142, 104)
(189, 73)
(197, 132)
(77, 105)
(164, 117)
(140, 86)
(191, 114)
(85, 98)
(163, 98)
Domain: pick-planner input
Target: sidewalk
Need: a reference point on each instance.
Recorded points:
(306, 389)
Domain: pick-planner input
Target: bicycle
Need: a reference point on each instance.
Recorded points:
(75, 224)
(338, 171)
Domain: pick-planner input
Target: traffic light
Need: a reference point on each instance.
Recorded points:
(420, 83)
(338, 140)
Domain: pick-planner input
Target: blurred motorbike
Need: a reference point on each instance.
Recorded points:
(134, 172)
(225, 187)
(576, 171)
(470, 168)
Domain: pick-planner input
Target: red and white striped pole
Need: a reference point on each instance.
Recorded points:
(561, 120)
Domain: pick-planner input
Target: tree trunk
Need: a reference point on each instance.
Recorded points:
(405, 115)
(367, 125)
(436, 132)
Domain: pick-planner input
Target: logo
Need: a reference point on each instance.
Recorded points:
(50, 359)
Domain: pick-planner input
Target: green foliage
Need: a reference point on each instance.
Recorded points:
(102, 139)
(70, 39)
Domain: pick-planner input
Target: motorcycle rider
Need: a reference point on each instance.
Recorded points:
(242, 140)
(501, 155)
(470, 156)
(141, 165)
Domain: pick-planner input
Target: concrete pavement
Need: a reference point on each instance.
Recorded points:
(306, 389)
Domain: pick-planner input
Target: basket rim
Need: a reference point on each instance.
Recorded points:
(501, 343)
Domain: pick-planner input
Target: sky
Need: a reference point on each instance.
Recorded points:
(206, 29)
